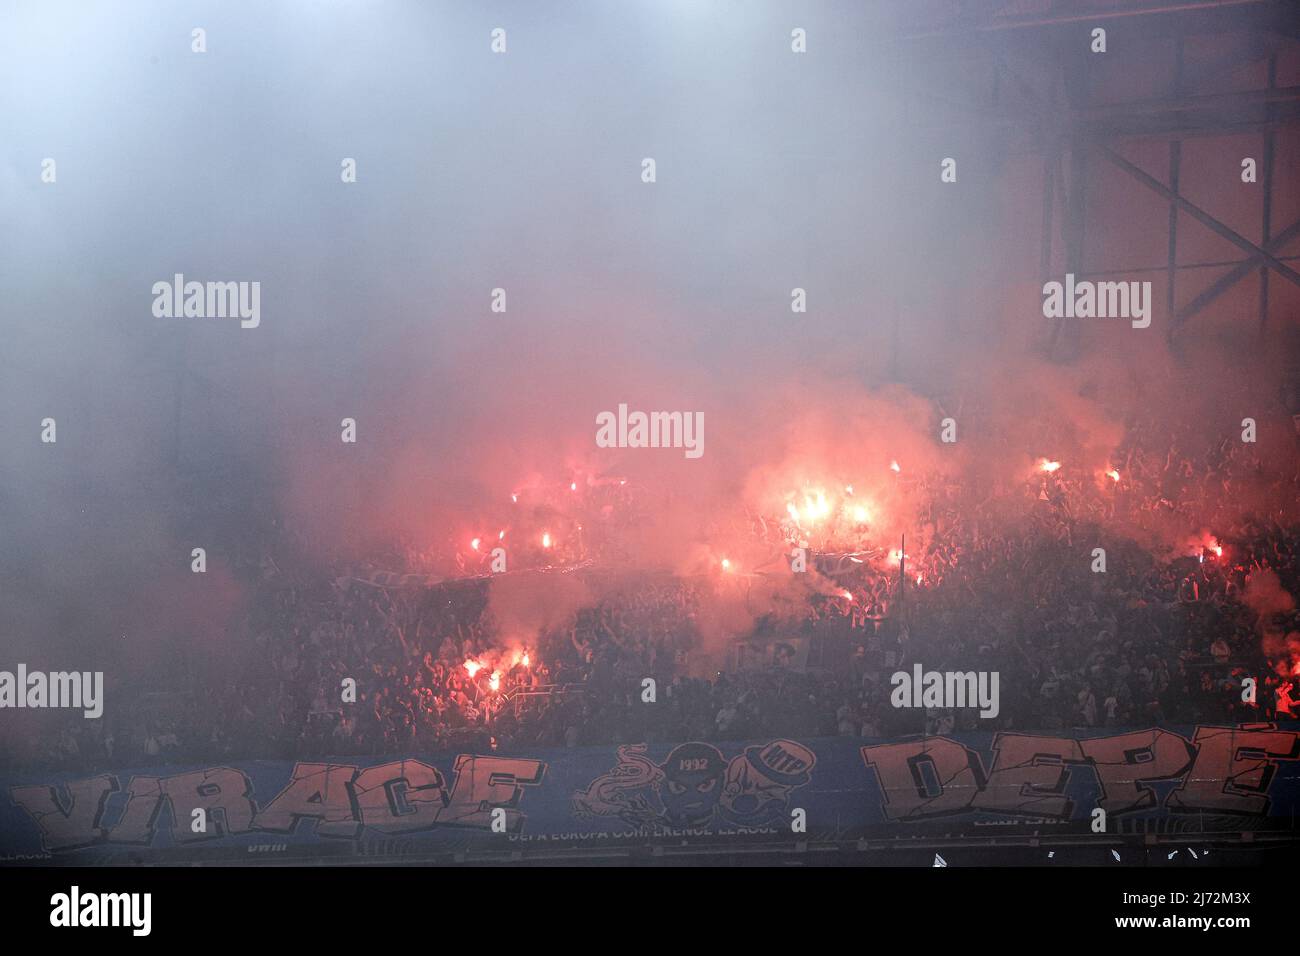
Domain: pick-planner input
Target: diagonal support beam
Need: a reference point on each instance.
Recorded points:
(1233, 276)
(1200, 215)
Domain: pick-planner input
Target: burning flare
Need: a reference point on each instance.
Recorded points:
(1206, 542)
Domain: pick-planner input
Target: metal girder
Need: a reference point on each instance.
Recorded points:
(1229, 279)
(1182, 104)
(1082, 13)
(1174, 118)
(1199, 214)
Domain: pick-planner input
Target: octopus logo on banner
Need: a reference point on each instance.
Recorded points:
(696, 785)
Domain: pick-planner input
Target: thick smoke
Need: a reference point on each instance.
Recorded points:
(523, 173)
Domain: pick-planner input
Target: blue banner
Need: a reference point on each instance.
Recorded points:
(1202, 780)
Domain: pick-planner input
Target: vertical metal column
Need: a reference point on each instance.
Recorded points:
(1175, 166)
(1171, 269)
(1268, 196)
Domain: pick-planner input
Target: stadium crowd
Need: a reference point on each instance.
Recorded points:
(1005, 584)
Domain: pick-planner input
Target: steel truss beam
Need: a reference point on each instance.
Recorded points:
(1199, 214)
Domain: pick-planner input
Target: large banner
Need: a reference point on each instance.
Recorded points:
(1193, 781)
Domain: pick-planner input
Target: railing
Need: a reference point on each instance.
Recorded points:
(545, 690)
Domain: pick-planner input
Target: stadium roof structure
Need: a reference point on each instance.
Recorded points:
(1020, 77)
